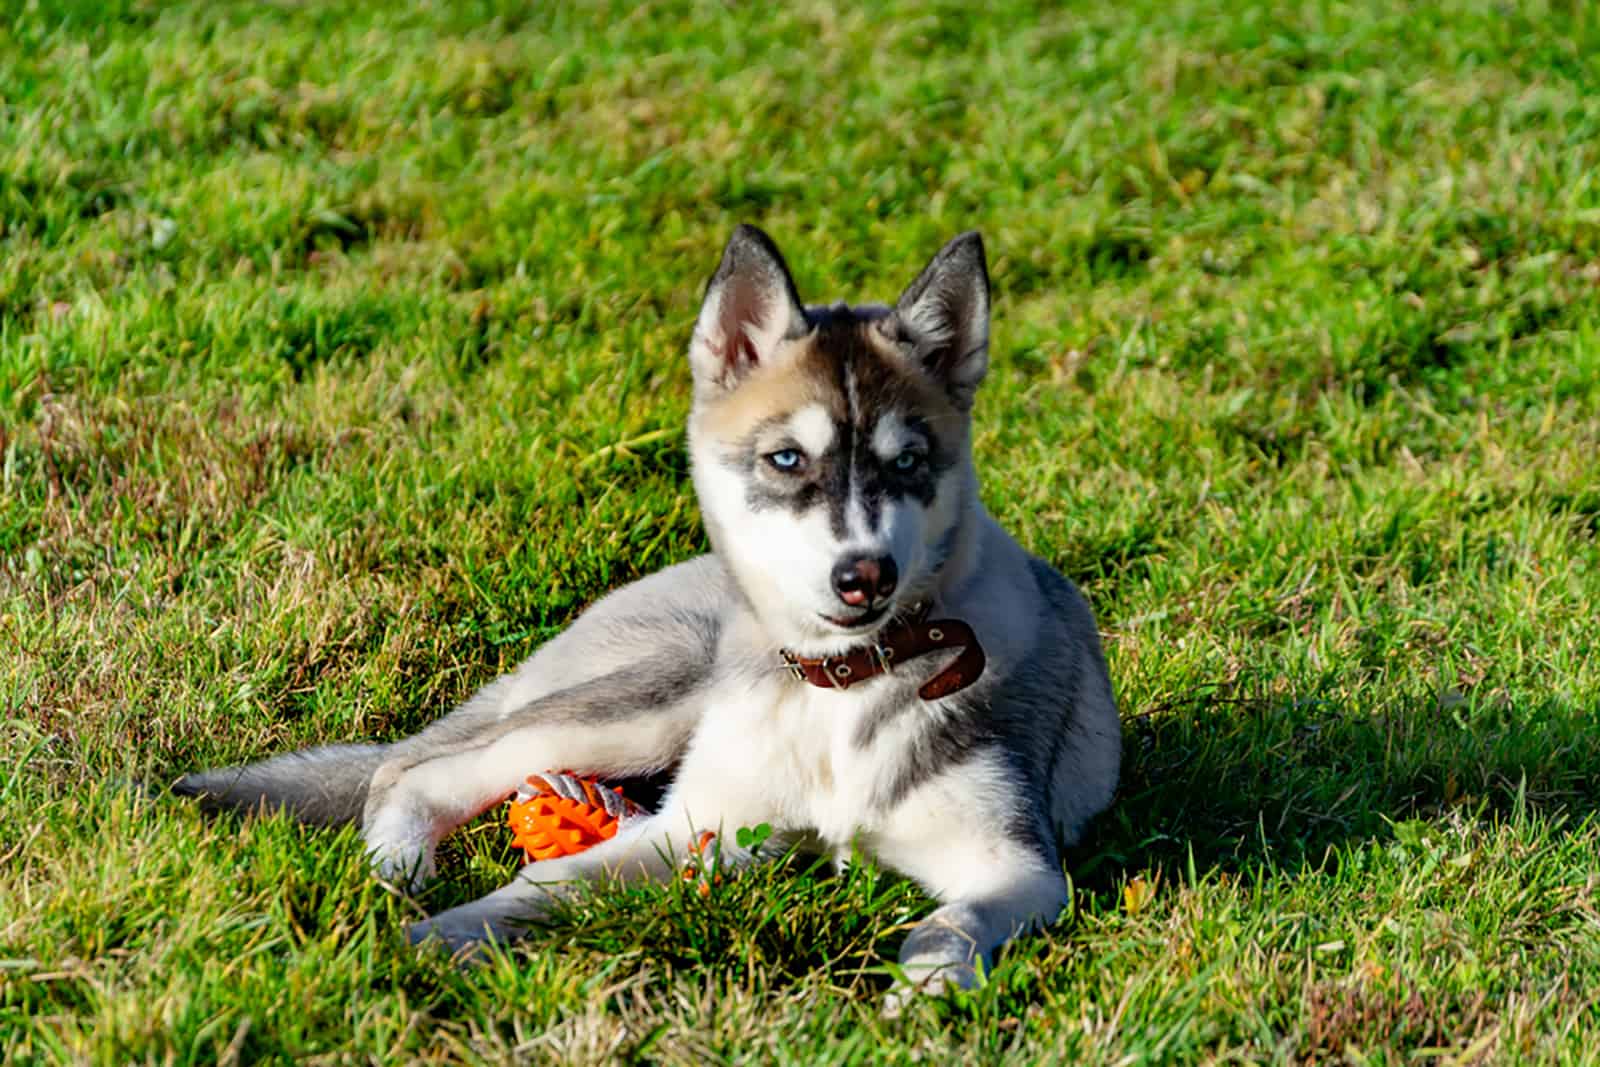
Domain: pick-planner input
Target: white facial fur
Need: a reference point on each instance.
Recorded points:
(784, 561)
(812, 429)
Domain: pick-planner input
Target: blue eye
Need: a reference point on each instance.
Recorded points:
(786, 459)
(907, 461)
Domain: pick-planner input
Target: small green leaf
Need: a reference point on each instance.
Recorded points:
(753, 838)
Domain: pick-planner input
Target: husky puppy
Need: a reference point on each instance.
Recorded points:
(865, 659)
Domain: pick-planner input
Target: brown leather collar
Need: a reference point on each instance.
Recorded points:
(898, 642)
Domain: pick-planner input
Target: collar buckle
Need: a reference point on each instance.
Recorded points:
(792, 665)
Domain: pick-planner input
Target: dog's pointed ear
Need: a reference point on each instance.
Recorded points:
(750, 306)
(942, 319)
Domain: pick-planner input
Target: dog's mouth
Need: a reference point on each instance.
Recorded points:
(862, 621)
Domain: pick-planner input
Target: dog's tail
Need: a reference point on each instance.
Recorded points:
(325, 786)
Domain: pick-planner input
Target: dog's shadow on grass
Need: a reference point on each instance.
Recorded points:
(1230, 783)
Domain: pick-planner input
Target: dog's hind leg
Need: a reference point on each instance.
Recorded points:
(629, 723)
(613, 695)
(610, 695)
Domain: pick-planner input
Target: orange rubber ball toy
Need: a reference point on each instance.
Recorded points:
(563, 814)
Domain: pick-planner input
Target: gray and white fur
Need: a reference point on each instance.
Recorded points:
(828, 443)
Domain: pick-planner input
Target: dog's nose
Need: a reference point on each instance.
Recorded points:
(860, 581)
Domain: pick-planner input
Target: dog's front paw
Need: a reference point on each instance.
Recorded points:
(450, 934)
(464, 929)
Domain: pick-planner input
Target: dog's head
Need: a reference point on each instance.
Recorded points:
(831, 445)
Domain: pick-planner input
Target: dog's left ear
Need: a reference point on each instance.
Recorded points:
(942, 319)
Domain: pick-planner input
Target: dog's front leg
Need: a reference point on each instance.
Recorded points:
(993, 887)
(943, 950)
(649, 847)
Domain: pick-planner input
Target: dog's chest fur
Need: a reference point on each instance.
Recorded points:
(807, 759)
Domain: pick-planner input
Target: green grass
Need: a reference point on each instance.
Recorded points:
(341, 363)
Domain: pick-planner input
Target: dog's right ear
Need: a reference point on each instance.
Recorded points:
(750, 306)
